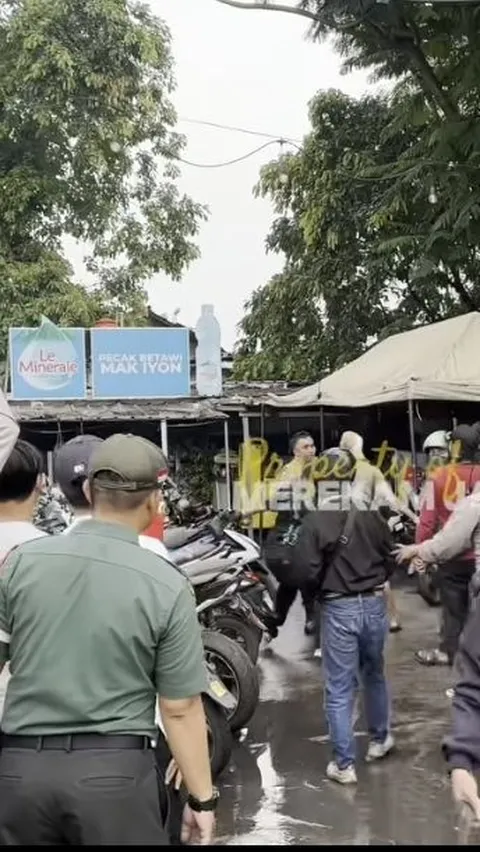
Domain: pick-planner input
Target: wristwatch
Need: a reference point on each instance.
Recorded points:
(206, 805)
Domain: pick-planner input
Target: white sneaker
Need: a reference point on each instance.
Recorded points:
(317, 653)
(341, 776)
(378, 750)
(450, 693)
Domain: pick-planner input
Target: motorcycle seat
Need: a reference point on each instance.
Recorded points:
(173, 539)
(207, 570)
(191, 552)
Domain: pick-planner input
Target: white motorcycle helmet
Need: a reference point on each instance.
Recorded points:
(437, 444)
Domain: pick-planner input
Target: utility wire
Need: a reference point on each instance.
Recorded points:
(236, 160)
(273, 136)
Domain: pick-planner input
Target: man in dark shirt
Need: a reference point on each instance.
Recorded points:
(348, 549)
(462, 745)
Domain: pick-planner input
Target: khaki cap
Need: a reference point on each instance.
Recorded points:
(136, 462)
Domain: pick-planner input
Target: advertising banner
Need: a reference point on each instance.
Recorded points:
(48, 362)
(140, 363)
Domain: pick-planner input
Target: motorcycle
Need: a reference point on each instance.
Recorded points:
(219, 704)
(234, 668)
(222, 588)
(219, 580)
(258, 587)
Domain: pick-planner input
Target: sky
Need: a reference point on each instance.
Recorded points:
(250, 69)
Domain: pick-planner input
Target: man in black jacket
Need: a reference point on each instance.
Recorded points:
(348, 549)
(462, 746)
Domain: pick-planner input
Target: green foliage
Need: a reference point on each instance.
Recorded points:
(366, 252)
(195, 479)
(85, 126)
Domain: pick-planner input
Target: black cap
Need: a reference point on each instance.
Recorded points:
(71, 461)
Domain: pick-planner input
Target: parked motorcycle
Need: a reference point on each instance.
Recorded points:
(222, 587)
(234, 668)
(219, 704)
(249, 615)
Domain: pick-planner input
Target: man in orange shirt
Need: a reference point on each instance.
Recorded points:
(443, 491)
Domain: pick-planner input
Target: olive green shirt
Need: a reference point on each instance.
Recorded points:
(95, 627)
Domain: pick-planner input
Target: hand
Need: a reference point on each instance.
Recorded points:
(197, 828)
(418, 565)
(465, 790)
(173, 775)
(405, 552)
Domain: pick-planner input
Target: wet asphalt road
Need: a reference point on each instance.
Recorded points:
(276, 793)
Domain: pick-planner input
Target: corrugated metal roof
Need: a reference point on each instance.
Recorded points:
(98, 410)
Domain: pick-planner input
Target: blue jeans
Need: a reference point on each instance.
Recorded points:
(354, 632)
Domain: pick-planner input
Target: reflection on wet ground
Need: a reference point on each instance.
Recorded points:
(276, 792)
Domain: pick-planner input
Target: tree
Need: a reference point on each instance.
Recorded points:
(431, 54)
(352, 273)
(85, 126)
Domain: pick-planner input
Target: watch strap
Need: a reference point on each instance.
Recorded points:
(206, 805)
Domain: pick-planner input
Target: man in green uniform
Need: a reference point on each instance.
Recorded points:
(94, 627)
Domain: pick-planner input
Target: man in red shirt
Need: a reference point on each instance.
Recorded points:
(448, 486)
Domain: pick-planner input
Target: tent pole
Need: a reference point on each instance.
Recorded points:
(322, 429)
(411, 428)
(164, 437)
(228, 479)
(246, 439)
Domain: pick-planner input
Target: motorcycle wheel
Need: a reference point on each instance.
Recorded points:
(236, 670)
(428, 589)
(220, 740)
(246, 635)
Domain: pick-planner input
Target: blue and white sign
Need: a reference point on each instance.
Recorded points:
(48, 362)
(140, 363)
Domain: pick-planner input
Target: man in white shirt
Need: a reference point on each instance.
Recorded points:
(20, 488)
(70, 467)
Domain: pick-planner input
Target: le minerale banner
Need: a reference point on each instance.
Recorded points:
(49, 362)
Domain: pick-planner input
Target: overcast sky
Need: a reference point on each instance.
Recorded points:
(254, 70)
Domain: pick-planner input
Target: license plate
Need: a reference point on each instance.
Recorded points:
(218, 688)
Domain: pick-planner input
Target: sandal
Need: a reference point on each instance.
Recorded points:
(434, 657)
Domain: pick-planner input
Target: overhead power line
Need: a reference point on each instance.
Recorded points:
(232, 128)
(237, 159)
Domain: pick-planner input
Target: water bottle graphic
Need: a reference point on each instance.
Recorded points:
(208, 357)
(49, 360)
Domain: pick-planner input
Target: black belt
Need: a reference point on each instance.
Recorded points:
(332, 596)
(76, 742)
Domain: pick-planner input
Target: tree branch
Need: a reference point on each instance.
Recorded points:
(456, 284)
(272, 7)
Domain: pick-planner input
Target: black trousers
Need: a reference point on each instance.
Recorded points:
(285, 598)
(80, 798)
(454, 582)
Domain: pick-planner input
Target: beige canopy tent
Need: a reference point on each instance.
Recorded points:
(436, 362)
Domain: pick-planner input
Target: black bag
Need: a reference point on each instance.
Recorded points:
(279, 553)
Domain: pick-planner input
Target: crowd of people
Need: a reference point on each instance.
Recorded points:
(339, 551)
(100, 639)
